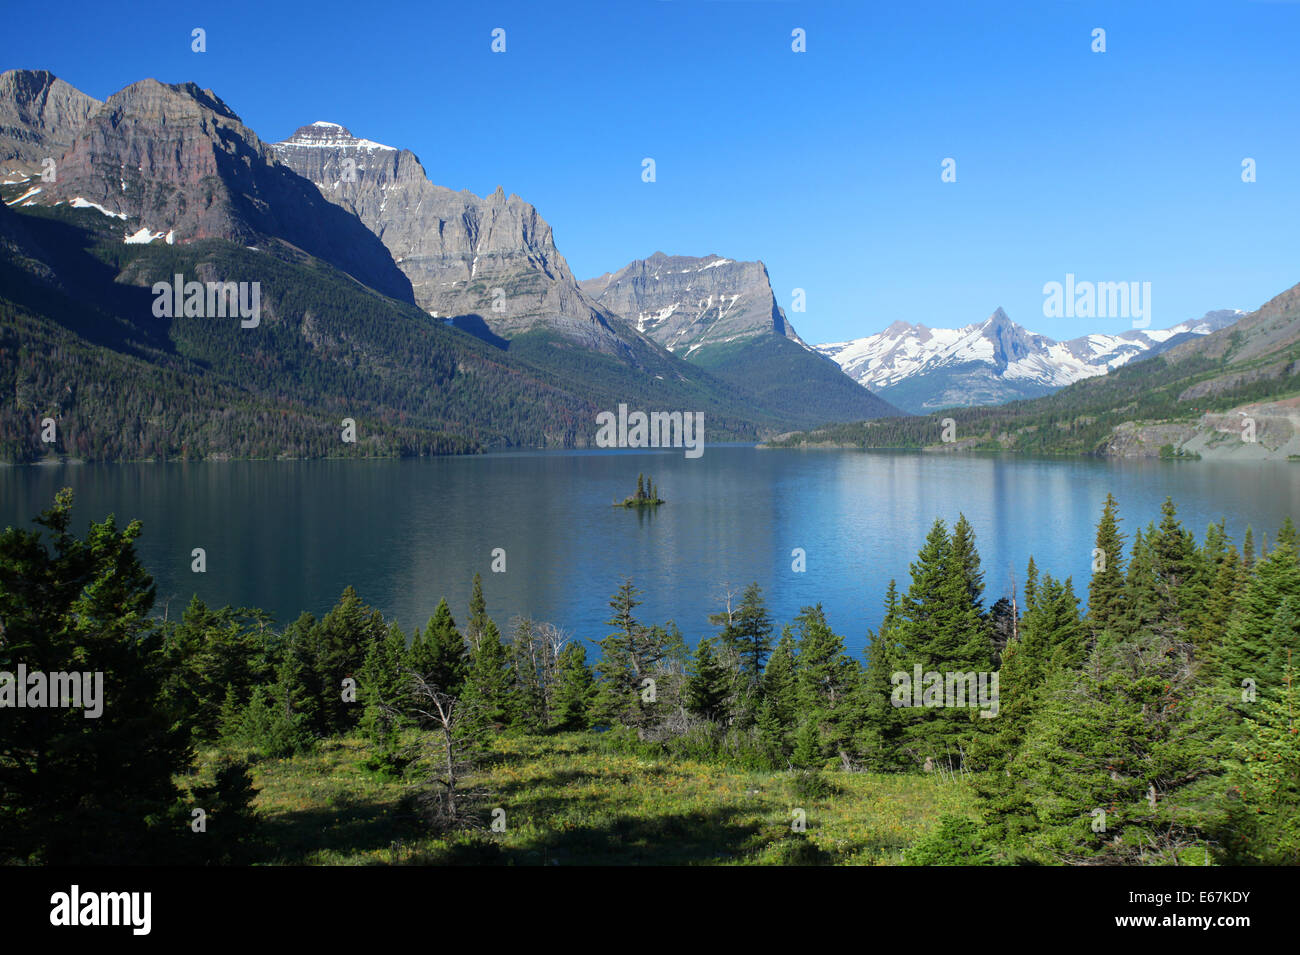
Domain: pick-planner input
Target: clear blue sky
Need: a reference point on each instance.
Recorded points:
(1122, 166)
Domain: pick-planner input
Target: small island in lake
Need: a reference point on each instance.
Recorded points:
(645, 496)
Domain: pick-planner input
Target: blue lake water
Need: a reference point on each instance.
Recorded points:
(289, 536)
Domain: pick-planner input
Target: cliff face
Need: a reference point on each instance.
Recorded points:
(494, 257)
(686, 303)
(39, 117)
(176, 162)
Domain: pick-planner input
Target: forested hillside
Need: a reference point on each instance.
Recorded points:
(81, 345)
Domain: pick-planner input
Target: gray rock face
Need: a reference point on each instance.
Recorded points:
(39, 117)
(687, 303)
(494, 257)
(180, 165)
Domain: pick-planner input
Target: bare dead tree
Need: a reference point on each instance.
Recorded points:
(444, 753)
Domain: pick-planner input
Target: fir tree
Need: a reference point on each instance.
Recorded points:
(478, 618)
(778, 710)
(1031, 585)
(708, 686)
(752, 631)
(440, 656)
(1264, 783)
(826, 681)
(489, 682)
(1106, 591)
(574, 689)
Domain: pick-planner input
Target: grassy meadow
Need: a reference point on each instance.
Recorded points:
(569, 799)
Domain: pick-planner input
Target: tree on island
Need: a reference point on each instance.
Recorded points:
(646, 495)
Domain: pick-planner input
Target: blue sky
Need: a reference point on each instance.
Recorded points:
(1115, 166)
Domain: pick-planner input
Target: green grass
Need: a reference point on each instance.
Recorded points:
(570, 801)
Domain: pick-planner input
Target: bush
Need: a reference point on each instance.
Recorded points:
(955, 841)
(812, 784)
(266, 728)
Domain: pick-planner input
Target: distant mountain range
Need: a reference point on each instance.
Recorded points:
(922, 369)
(1232, 394)
(448, 321)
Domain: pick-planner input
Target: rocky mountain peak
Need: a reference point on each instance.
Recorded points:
(462, 254)
(40, 115)
(687, 303)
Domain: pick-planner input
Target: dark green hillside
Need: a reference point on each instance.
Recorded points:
(806, 387)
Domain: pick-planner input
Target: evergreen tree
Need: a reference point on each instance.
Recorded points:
(440, 656)
(708, 686)
(1263, 627)
(778, 710)
(631, 656)
(1031, 585)
(1125, 736)
(1106, 591)
(383, 691)
(878, 739)
(1264, 783)
(826, 680)
(752, 631)
(478, 618)
(574, 689)
(1248, 550)
(338, 647)
(75, 790)
(488, 687)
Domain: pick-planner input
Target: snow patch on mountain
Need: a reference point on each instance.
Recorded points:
(1009, 361)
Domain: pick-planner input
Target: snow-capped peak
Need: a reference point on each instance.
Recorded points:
(993, 360)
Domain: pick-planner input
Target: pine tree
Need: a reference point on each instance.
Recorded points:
(708, 686)
(478, 618)
(778, 710)
(440, 657)
(640, 487)
(1142, 599)
(1031, 585)
(631, 656)
(228, 722)
(1051, 638)
(1262, 629)
(1126, 741)
(489, 682)
(826, 680)
(383, 689)
(878, 739)
(1106, 591)
(1264, 783)
(338, 651)
(1248, 550)
(752, 631)
(574, 689)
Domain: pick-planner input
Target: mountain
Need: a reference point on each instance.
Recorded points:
(995, 361)
(176, 164)
(162, 179)
(39, 116)
(690, 304)
(721, 314)
(492, 257)
(1232, 393)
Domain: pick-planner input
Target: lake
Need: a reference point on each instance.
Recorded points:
(289, 536)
